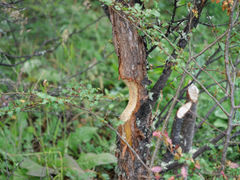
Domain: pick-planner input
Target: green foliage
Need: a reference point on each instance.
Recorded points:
(53, 108)
(51, 120)
(47, 128)
(90, 160)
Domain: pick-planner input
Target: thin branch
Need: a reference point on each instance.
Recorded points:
(43, 52)
(212, 25)
(209, 75)
(167, 118)
(27, 57)
(210, 60)
(231, 86)
(192, 23)
(225, 112)
(110, 126)
(210, 45)
(213, 84)
(89, 67)
(133, 151)
(210, 112)
(10, 4)
(200, 151)
(172, 19)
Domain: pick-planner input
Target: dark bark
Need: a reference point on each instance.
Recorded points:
(210, 60)
(183, 125)
(192, 23)
(131, 52)
(160, 84)
(200, 151)
(187, 131)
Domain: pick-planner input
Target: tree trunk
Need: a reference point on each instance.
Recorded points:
(136, 130)
(131, 54)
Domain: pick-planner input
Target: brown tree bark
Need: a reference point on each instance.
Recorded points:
(136, 130)
(131, 54)
(182, 132)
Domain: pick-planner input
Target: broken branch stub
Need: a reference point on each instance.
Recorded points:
(183, 126)
(183, 110)
(187, 132)
(192, 93)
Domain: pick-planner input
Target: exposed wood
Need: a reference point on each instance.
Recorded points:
(183, 125)
(131, 54)
(182, 43)
(132, 102)
(182, 111)
(192, 93)
(177, 123)
(187, 131)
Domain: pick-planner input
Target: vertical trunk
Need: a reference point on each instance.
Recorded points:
(131, 54)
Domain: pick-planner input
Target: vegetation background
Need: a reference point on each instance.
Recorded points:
(59, 89)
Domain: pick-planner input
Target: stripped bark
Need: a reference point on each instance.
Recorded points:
(131, 54)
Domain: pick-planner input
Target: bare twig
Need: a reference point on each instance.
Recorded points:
(172, 19)
(210, 112)
(230, 80)
(225, 112)
(210, 60)
(167, 119)
(43, 52)
(133, 151)
(112, 128)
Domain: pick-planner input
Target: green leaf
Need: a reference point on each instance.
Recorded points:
(82, 134)
(220, 123)
(72, 164)
(34, 169)
(90, 160)
(220, 114)
(18, 175)
(107, 2)
(85, 134)
(155, 13)
(181, 2)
